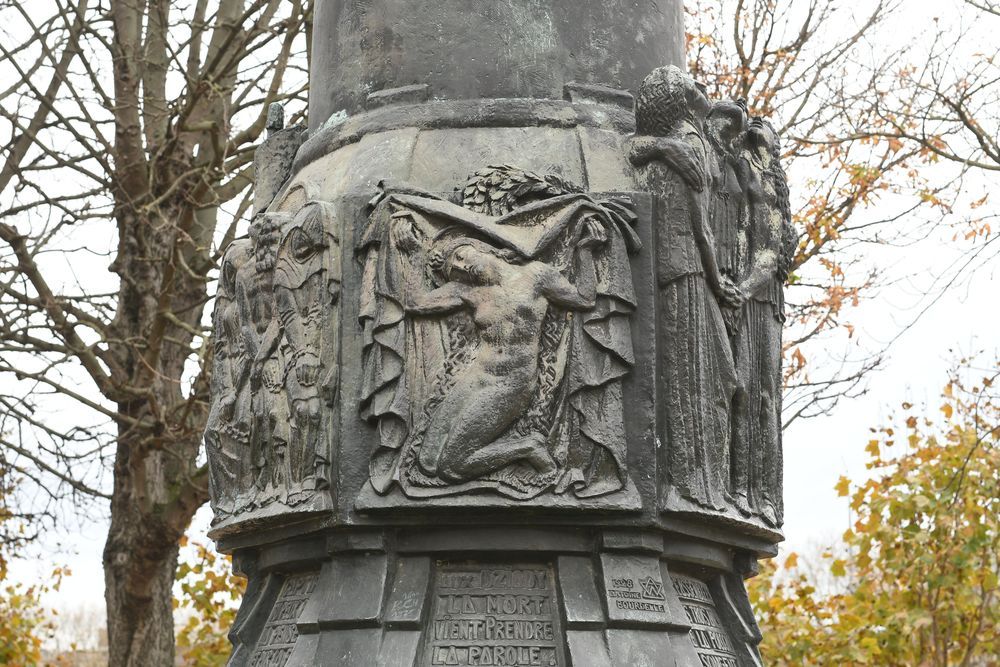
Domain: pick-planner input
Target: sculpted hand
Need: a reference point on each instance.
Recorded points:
(592, 233)
(681, 158)
(730, 295)
(404, 235)
(307, 369)
(226, 405)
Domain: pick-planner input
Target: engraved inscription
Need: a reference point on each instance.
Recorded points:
(692, 589)
(493, 615)
(634, 589)
(280, 632)
(641, 595)
(709, 636)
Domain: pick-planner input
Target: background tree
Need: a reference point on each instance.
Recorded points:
(131, 127)
(915, 581)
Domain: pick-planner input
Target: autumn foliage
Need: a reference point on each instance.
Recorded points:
(915, 581)
(209, 595)
(24, 622)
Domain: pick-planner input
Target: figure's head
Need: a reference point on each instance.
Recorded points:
(236, 255)
(307, 233)
(468, 264)
(763, 140)
(765, 146)
(667, 96)
(727, 120)
(468, 260)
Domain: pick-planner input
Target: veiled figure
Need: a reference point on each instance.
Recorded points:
(489, 337)
(306, 293)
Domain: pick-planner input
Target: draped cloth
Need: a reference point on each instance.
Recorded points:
(410, 363)
(695, 369)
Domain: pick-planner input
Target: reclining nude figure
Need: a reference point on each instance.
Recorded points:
(465, 436)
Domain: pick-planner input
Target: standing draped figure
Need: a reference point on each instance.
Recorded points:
(695, 365)
(769, 250)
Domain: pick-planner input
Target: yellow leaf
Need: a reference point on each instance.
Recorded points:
(872, 448)
(947, 410)
(843, 486)
(791, 561)
(838, 568)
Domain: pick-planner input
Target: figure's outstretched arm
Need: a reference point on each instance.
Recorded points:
(562, 292)
(444, 299)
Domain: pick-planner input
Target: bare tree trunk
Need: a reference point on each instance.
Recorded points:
(157, 485)
(139, 565)
(149, 514)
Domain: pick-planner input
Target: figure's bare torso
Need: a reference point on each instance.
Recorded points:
(508, 317)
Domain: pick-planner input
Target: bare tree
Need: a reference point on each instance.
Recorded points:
(866, 128)
(131, 128)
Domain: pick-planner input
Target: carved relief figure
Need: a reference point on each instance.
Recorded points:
(507, 303)
(275, 375)
(728, 214)
(228, 427)
(306, 294)
(496, 337)
(270, 417)
(696, 370)
(730, 220)
(758, 462)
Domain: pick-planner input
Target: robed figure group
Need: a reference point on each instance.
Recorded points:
(725, 243)
(275, 370)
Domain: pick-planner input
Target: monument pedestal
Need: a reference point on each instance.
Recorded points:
(499, 595)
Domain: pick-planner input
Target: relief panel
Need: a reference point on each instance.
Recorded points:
(497, 333)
